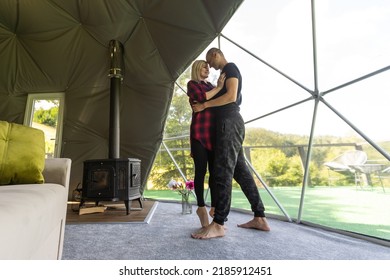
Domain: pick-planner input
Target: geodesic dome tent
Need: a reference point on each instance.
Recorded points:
(62, 46)
(292, 83)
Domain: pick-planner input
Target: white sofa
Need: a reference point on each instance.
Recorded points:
(32, 216)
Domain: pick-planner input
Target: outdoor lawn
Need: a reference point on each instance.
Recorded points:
(361, 210)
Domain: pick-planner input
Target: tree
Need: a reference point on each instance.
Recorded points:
(47, 116)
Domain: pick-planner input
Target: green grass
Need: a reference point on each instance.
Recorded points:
(360, 210)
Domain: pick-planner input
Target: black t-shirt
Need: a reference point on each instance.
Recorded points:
(231, 71)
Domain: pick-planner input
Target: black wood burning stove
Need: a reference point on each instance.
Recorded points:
(112, 180)
(115, 178)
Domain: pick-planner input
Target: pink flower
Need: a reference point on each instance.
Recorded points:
(190, 185)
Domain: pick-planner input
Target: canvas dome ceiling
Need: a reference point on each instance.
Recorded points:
(51, 46)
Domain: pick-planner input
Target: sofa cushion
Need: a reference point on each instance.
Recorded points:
(22, 154)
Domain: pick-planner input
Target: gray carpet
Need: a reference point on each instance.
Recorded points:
(167, 237)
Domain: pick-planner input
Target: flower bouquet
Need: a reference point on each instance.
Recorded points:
(185, 190)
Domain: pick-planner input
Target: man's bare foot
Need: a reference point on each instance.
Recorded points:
(211, 212)
(258, 223)
(202, 214)
(213, 230)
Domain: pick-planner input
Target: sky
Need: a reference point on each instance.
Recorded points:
(351, 41)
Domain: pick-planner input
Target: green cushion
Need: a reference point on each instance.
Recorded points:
(22, 154)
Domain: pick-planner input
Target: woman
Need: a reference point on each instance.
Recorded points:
(202, 133)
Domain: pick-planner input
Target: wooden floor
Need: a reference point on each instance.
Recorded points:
(115, 213)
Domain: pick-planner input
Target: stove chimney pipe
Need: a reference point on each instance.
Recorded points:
(115, 74)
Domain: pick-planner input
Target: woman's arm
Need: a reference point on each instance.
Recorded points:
(210, 94)
(196, 93)
(229, 97)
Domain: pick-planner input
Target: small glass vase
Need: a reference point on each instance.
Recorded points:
(186, 206)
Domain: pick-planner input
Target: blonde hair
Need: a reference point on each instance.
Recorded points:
(195, 70)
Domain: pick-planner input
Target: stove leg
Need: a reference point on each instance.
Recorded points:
(140, 203)
(127, 204)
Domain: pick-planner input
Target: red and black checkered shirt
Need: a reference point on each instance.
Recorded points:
(202, 124)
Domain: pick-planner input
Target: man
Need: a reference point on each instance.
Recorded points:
(229, 158)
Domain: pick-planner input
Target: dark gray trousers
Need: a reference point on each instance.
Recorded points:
(230, 163)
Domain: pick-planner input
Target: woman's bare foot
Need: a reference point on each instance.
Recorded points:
(213, 230)
(211, 212)
(202, 214)
(258, 223)
(199, 231)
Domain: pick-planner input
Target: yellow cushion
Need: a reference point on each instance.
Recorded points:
(22, 154)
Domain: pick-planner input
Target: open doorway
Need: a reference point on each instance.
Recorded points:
(45, 111)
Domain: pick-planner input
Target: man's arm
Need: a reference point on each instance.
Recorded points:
(229, 97)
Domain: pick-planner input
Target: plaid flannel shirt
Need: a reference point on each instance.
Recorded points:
(202, 124)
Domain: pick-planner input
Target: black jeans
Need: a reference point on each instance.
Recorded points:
(202, 157)
(230, 163)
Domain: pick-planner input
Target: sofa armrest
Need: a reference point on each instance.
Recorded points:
(57, 171)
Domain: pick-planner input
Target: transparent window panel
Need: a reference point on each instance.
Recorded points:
(279, 32)
(350, 192)
(354, 208)
(45, 118)
(365, 105)
(352, 39)
(45, 112)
